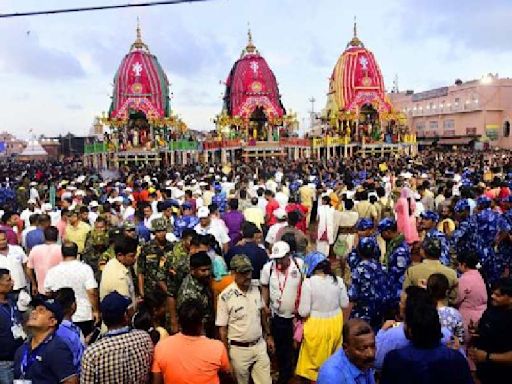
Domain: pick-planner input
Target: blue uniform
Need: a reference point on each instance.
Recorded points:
(183, 222)
(505, 247)
(398, 258)
(220, 200)
(368, 291)
(488, 225)
(463, 239)
(445, 246)
(353, 257)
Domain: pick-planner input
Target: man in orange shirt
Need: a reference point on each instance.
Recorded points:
(189, 356)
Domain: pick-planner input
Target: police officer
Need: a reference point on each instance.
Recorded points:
(428, 223)
(187, 220)
(398, 257)
(365, 229)
(368, 292)
(151, 261)
(219, 198)
(462, 240)
(241, 322)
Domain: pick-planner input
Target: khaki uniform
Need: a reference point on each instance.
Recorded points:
(241, 313)
(421, 272)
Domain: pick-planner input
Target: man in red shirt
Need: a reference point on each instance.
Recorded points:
(272, 205)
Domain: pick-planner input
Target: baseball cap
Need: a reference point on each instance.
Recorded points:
(241, 264)
(159, 224)
(312, 260)
(114, 305)
(430, 215)
(279, 250)
(203, 212)
(50, 304)
(461, 205)
(386, 224)
(364, 224)
(484, 201)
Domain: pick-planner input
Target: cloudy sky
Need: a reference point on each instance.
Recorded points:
(56, 71)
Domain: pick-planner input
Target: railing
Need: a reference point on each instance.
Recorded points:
(95, 148)
(183, 145)
(294, 142)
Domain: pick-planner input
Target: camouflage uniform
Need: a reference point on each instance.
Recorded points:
(398, 256)
(96, 244)
(177, 268)
(489, 224)
(368, 291)
(193, 289)
(152, 259)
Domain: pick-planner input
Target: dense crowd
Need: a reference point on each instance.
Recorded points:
(362, 270)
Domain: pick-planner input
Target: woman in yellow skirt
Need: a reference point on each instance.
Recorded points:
(322, 299)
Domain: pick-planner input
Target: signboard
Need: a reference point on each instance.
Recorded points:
(491, 131)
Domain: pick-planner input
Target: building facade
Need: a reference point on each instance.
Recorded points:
(10, 145)
(477, 110)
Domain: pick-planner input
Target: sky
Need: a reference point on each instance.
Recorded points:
(56, 71)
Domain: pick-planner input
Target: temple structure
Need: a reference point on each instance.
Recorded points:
(358, 113)
(140, 125)
(253, 114)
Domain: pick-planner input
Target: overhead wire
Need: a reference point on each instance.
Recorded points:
(97, 8)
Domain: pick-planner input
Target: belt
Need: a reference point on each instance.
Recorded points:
(244, 344)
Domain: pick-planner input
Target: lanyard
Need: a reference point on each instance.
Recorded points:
(30, 357)
(281, 287)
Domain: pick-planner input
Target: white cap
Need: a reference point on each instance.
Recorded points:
(224, 179)
(280, 213)
(31, 201)
(203, 212)
(93, 204)
(33, 183)
(118, 199)
(80, 193)
(203, 184)
(279, 250)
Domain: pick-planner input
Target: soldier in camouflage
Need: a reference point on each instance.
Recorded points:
(197, 286)
(151, 261)
(96, 245)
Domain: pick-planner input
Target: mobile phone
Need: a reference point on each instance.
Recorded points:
(94, 335)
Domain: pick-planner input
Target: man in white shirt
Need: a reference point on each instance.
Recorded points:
(80, 277)
(281, 216)
(207, 227)
(29, 211)
(34, 217)
(281, 279)
(93, 211)
(281, 197)
(13, 258)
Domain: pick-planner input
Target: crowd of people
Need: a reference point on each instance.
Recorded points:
(362, 270)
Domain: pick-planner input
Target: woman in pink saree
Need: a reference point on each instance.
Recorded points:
(405, 208)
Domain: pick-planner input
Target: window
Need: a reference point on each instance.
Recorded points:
(432, 124)
(420, 126)
(449, 124)
(506, 129)
(470, 130)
